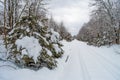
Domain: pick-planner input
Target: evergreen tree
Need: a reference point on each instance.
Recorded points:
(30, 30)
(61, 29)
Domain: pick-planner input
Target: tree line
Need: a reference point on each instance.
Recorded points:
(104, 25)
(12, 11)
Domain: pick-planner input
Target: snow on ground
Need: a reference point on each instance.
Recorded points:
(2, 48)
(80, 62)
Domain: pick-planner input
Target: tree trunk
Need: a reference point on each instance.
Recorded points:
(16, 10)
(5, 23)
(116, 35)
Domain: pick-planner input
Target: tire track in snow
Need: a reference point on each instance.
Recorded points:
(107, 60)
(71, 71)
(111, 68)
(86, 75)
(80, 63)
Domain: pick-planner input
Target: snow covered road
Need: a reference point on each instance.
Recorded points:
(83, 63)
(91, 63)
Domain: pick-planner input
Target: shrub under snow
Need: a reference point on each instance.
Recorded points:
(32, 45)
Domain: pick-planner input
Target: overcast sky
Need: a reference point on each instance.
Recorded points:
(74, 13)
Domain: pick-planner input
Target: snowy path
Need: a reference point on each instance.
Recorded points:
(84, 63)
(88, 63)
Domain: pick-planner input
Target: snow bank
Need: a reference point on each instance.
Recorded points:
(3, 50)
(30, 46)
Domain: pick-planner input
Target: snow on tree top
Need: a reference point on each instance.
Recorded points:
(55, 36)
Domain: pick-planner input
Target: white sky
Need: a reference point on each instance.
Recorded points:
(74, 13)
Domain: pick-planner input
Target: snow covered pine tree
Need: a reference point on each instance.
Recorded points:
(32, 45)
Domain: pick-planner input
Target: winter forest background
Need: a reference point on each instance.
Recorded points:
(31, 38)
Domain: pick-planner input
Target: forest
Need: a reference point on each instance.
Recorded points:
(104, 25)
(34, 45)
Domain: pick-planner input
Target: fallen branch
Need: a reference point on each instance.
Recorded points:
(67, 58)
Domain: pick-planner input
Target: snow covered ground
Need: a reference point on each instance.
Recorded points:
(80, 62)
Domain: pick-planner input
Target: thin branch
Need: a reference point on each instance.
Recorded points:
(22, 11)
